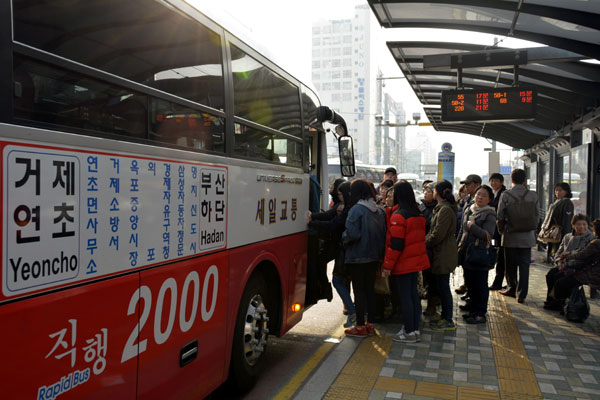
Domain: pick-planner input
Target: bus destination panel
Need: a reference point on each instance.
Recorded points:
(495, 104)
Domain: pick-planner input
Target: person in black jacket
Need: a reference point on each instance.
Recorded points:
(497, 184)
(333, 221)
(426, 207)
(560, 212)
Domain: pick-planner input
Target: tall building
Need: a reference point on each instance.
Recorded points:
(344, 74)
(394, 139)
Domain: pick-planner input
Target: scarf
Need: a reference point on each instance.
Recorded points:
(476, 212)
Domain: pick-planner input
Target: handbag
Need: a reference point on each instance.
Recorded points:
(481, 253)
(382, 285)
(578, 308)
(552, 234)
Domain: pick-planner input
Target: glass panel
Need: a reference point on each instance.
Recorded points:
(47, 94)
(532, 176)
(545, 189)
(450, 13)
(143, 41)
(254, 143)
(554, 27)
(175, 124)
(262, 96)
(581, 5)
(579, 178)
(565, 169)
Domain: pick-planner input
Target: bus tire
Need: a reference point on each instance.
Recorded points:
(250, 335)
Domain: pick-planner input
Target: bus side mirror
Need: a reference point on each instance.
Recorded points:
(326, 114)
(346, 149)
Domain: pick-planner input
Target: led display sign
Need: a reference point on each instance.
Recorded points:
(492, 105)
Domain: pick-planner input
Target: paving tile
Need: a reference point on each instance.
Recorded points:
(588, 378)
(393, 395)
(547, 388)
(424, 374)
(460, 376)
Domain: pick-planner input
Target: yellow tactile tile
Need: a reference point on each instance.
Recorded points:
(517, 374)
(346, 393)
(519, 396)
(436, 390)
(395, 385)
(516, 379)
(467, 393)
(360, 373)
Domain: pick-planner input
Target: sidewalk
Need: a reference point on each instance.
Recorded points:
(523, 352)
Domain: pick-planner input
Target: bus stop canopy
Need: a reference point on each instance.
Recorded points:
(568, 84)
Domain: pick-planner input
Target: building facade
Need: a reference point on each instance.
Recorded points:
(344, 72)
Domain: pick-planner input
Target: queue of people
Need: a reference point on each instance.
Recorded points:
(390, 236)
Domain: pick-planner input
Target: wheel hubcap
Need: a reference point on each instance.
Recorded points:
(255, 329)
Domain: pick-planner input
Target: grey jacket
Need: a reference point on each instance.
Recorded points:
(571, 243)
(521, 240)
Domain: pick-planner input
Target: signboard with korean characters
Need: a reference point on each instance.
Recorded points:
(70, 215)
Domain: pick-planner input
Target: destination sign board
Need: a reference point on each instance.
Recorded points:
(491, 105)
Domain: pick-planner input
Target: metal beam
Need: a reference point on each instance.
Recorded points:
(498, 58)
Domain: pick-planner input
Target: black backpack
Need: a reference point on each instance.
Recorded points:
(521, 214)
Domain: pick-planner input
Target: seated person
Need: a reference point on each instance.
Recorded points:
(571, 242)
(585, 269)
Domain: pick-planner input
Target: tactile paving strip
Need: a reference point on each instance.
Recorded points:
(358, 377)
(516, 379)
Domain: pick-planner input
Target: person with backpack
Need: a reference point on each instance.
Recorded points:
(518, 217)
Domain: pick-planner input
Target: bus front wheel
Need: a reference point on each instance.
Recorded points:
(250, 335)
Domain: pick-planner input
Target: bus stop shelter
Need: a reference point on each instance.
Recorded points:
(562, 142)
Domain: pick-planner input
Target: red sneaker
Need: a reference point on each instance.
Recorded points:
(370, 329)
(357, 331)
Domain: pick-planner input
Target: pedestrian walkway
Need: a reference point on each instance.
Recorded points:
(523, 352)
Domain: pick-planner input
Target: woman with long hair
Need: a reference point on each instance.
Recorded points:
(441, 240)
(364, 241)
(405, 256)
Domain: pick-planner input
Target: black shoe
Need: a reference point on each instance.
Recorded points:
(465, 297)
(466, 307)
(465, 316)
(553, 307)
(476, 320)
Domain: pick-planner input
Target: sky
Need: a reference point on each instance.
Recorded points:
(282, 30)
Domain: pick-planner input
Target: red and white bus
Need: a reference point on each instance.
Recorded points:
(155, 176)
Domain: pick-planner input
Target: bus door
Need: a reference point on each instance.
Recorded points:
(318, 286)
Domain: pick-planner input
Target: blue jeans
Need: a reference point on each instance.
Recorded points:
(443, 282)
(340, 285)
(409, 300)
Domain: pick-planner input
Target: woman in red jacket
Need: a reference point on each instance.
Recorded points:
(405, 256)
